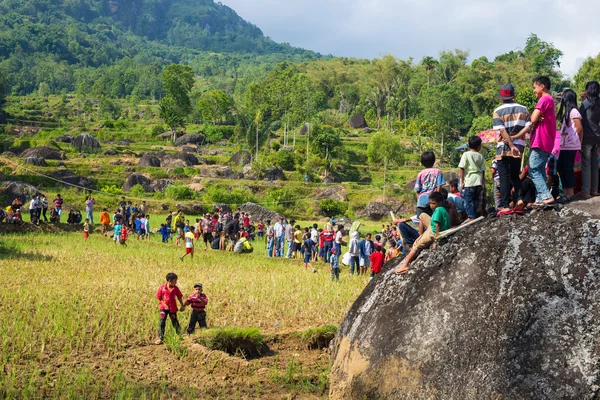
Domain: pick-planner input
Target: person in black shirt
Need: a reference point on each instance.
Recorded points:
(233, 230)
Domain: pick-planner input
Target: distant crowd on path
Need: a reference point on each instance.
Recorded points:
(552, 158)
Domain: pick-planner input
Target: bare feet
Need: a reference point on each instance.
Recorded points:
(520, 205)
(158, 341)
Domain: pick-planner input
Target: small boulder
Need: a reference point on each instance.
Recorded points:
(110, 152)
(189, 149)
(64, 139)
(86, 142)
(367, 130)
(337, 192)
(259, 212)
(47, 153)
(274, 174)
(241, 157)
(149, 160)
(329, 179)
(192, 138)
(138, 179)
(217, 171)
(358, 122)
(375, 211)
(366, 179)
(305, 128)
(180, 159)
(8, 154)
(161, 184)
(36, 161)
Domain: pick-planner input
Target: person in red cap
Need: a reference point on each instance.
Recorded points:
(510, 119)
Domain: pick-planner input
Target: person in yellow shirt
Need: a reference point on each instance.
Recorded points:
(297, 241)
(189, 244)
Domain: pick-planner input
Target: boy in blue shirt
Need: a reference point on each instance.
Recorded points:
(164, 231)
(335, 265)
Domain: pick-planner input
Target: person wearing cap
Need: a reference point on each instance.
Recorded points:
(510, 119)
(198, 301)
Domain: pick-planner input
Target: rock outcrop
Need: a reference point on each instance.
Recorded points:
(138, 179)
(506, 308)
(241, 157)
(258, 212)
(36, 161)
(192, 138)
(332, 192)
(12, 190)
(375, 211)
(86, 142)
(149, 160)
(47, 153)
(69, 178)
(357, 122)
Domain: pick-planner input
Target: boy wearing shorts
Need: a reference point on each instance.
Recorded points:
(308, 249)
(189, 243)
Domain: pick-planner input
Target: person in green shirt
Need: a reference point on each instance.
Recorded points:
(436, 224)
(472, 175)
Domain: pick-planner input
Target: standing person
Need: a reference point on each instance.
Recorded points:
(117, 231)
(270, 238)
(233, 232)
(89, 208)
(167, 296)
(338, 238)
(296, 241)
(58, 204)
(44, 207)
(198, 301)
(328, 237)
(571, 136)
(279, 232)
(542, 140)
(335, 265)
(147, 226)
(496, 180)
(105, 221)
(189, 244)
(260, 229)
(472, 176)
(377, 260)
(307, 247)
(289, 238)
(365, 249)
(32, 209)
(354, 251)
(179, 226)
(86, 229)
(428, 181)
(314, 236)
(38, 207)
(512, 120)
(590, 112)
(143, 207)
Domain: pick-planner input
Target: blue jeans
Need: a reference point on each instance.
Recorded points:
(90, 216)
(409, 234)
(327, 250)
(537, 171)
(471, 197)
(289, 250)
(338, 246)
(279, 246)
(354, 261)
(270, 245)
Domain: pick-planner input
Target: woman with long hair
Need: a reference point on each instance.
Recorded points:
(590, 112)
(571, 136)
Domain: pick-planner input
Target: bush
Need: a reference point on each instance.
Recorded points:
(157, 130)
(121, 125)
(286, 160)
(212, 133)
(234, 197)
(242, 342)
(332, 208)
(112, 189)
(179, 171)
(177, 192)
(137, 191)
(20, 145)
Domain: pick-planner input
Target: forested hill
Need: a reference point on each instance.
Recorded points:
(49, 37)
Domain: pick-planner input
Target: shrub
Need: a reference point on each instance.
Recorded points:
(242, 342)
(179, 171)
(137, 191)
(212, 133)
(286, 160)
(234, 197)
(276, 146)
(20, 145)
(157, 130)
(111, 189)
(177, 192)
(331, 208)
(121, 125)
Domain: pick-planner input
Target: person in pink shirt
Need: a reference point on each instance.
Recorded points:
(571, 136)
(167, 295)
(543, 139)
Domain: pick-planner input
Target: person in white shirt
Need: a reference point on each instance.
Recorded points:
(279, 230)
(338, 238)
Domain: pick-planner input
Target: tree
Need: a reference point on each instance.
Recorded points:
(325, 142)
(385, 148)
(214, 105)
(178, 81)
(429, 63)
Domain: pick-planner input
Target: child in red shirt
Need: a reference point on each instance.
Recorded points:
(124, 233)
(376, 261)
(198, 301)
(167, 295)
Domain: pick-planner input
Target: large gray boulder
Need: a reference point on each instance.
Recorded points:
(64, 139)
(36, 161)
(506, 308)
(45, 152)
(358, 122)
(181, 159)
(241, 157)
(86, 142)
(331, 192)
(138, 179)
(259, 212)
(13, 189)
(192, 138)
(68, 178)
(375, 211)
(273, 174)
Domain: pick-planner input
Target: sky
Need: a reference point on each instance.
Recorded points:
(417, 28)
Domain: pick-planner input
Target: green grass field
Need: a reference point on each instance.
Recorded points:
(79, 319)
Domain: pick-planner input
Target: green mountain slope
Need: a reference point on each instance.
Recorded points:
(48, 42)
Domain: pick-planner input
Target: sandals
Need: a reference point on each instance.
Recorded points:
(505, 212)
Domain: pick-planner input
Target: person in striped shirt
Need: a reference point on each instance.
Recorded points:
(512, 120)
(198, 301)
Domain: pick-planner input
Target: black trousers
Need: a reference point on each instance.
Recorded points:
(162, 324)
(509, 169)
(198, 317)
(44, 210)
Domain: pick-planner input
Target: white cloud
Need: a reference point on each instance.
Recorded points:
(416, 28)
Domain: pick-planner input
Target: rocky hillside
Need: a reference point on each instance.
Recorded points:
(507, 308)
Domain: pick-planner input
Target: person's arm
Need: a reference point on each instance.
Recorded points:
(462, 178)
(578, 128)
(536, 117)
(437, 228)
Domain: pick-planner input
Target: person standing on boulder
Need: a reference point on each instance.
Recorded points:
(590, 112)
(89, 208)
(472, 176)
(44, 203)
(58, 205)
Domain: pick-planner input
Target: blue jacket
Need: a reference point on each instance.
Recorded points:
(361, 247)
